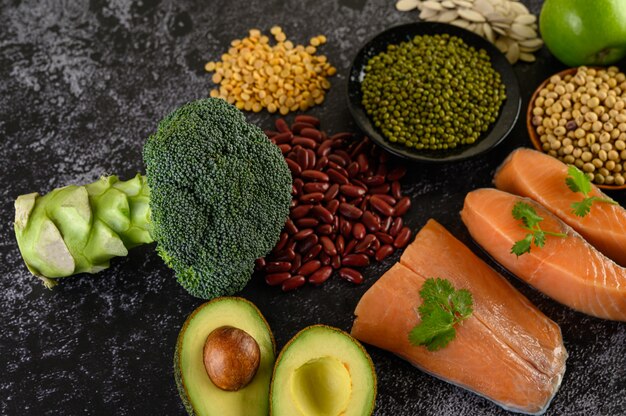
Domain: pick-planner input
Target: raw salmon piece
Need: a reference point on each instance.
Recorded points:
(541, 177)
(568, 269)
(507, 351)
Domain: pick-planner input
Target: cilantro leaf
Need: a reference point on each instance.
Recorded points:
(442, 307)
(577, 181)
(583, 207)
(530, 219)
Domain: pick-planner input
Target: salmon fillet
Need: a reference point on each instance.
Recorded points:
(568, 270)
(507, 351)
(541, 177)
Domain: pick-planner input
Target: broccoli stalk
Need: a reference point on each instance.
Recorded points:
(78, 229)
(215, 197)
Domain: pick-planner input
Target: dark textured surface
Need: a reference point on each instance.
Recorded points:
(82, 85)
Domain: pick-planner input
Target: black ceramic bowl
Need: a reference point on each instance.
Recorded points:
(496, 133)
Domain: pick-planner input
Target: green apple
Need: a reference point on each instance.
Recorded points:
(584, 32)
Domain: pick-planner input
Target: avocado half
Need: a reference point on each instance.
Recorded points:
(323, 371)
(198, 393)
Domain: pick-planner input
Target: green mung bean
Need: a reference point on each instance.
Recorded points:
(434, 92)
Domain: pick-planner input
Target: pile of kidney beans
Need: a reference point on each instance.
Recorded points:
(346, 209)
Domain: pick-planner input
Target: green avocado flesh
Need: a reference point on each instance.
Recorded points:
(198, 393)
(323, 371)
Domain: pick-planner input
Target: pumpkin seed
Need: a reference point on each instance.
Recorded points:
(432, 5)
(527, 57)
(471, 15)
(525, 19)
(447, 16)
(407, 5)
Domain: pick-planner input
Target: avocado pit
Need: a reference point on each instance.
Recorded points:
(231, 358)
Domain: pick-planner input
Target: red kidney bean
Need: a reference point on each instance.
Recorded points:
(381, 206)
(351, 275)
(294, 202)
(260, 263)
(360, 184)
(290, 227)
(335, 262)
(355, 260)
(402, 239)
(313, 134)
(331, 193)
(302, 157)
(283, 138)
(386, 224)
(300, 211)
(305, 245)
(396, 174)
(402, 206)
(363, 162)
(324, 148)
(384, 238)
(396, 191)
(336, 221)
(307, 223)
(381, 170)
(312, 253)
(358, 231)
(302, 234)
(281, 125)
(304, 142)
(307, 119)
(375, 180)
(382, 189)
(375, 245)
(314, 175)
(274, 279)
(384, 252)
(345, 227)
(350, 211)
(352, 191)
(321, 163)
(340, 244)
(321, 275)
(365, 243)
(345, 155)
(294, 167)
(388, 199)
(352, 169)
(296, 263)
(342, 198)
(335, 158)
(277, 266)
(284, 148)
(285, 255)
(324, 229)
(322, 214)
(395, 227)
(312, 197)
(298, 126)
(293, 283)
(338, 168)
(328, 246)
(341, 136)
(312, 159)
(311, 187)
(270, 133)
(309, 267)
(336, 177)
(282, 242)
(350, 247)
(332, 206)
(325, 259)
(370, 252)
(370, 221)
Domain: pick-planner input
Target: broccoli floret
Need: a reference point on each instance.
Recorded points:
(220, 194)
(217, 196)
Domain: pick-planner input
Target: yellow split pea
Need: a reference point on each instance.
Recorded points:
(283, 77)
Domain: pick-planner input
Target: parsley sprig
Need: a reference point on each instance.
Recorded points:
(577, 181)
(442, 308)
(530, 222)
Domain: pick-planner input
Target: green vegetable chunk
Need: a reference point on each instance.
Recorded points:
(577, 181)
(442, 308)
(215, 198)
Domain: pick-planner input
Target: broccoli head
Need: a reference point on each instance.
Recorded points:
(219, 195)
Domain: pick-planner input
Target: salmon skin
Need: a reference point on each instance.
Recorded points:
(541, 177)
(507, 351)
(569, 269)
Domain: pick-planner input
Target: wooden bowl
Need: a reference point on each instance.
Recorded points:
(532, 132)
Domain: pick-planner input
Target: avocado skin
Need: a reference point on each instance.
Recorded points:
(178, 377)
(362, 349)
